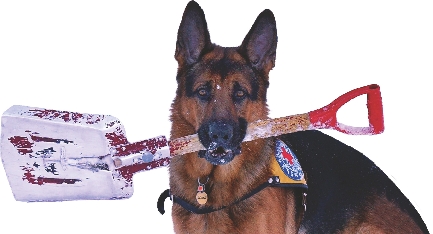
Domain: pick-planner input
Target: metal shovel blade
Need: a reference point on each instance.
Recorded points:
(53, 155)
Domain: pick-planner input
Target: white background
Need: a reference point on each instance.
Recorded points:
(117, 58)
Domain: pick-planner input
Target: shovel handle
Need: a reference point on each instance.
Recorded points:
(326, 117)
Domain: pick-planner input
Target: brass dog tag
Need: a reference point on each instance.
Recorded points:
(201, 198)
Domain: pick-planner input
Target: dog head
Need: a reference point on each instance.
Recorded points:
(221, 89)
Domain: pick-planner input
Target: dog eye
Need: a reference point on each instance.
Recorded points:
(202, 92)
(240, 94)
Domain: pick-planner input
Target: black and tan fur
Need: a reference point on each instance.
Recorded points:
(220, 90)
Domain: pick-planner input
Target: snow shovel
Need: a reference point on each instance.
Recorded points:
(51, 155)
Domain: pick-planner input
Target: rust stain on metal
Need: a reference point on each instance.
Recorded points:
(117, 137)
(22, 144)
(66, 116)
(150, 145)
(128, 171)
(112, 123)
(48, 139)
(32, 179)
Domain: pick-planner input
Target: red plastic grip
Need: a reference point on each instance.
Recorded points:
(326, 117)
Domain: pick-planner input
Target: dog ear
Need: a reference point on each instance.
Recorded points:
(260, 44)
(193, 38)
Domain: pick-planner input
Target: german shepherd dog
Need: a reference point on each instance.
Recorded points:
(221, 90)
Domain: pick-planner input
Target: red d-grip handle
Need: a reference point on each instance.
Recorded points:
(326, 117)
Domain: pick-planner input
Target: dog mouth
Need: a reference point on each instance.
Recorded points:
(218, 155)
(218, 151)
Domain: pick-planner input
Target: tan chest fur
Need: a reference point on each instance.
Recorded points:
(269, 211)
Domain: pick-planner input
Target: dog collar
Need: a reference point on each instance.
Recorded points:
(286, 172)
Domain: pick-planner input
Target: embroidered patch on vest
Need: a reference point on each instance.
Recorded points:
(289, 164)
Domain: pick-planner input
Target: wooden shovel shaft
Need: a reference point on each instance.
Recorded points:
(255, 130)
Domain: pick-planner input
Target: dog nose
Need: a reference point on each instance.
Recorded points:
(221, 133)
